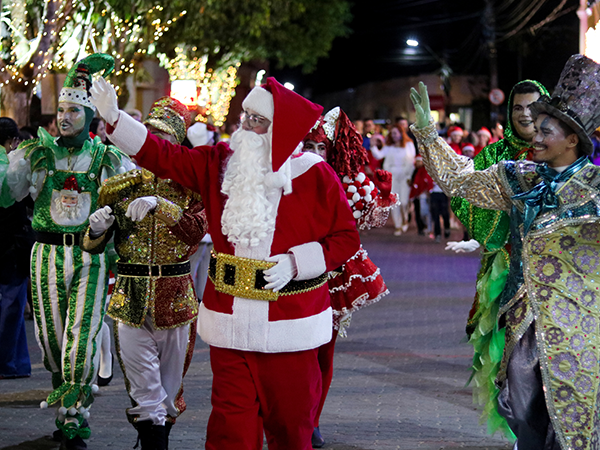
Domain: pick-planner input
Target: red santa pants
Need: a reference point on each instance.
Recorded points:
(279, 392)
(325, 357)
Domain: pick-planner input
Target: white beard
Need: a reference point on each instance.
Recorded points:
(248, 216)
(68, 212)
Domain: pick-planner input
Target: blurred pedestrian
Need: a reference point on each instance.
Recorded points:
(98, 128)
(15, 246)
(399, 158)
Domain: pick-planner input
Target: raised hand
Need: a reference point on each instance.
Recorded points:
(420, 101)
(104, 98)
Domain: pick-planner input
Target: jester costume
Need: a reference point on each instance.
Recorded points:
(550, 301)
(63, 176)
(491, 229)
(153, 300)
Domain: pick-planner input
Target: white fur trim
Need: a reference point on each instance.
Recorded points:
(129, 134)
(310, 260)
(301, 164)
(249, 329)
(260, 101)
(198, 134)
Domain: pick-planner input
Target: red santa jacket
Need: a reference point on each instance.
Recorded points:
(314, 223)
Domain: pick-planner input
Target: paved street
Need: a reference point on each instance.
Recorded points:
(399, 381)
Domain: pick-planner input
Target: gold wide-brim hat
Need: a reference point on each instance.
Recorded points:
(575, 100)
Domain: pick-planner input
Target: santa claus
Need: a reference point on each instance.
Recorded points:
(279, 223)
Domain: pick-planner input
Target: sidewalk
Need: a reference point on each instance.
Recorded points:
(399, 381)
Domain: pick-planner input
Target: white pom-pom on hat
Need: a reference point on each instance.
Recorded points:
(361, 177)
(72, 411)
(44, 405)
(352, 188)
(62, 411)
(95, 388)
(86, 415)
(357, 214)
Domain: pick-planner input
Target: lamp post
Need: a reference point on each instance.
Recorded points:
(445, 71)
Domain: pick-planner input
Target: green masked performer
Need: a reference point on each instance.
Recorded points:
(490, 229)
(549, 376)
(69, 286)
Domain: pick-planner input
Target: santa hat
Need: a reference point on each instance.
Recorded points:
(76, 88)
(199, 134)
(71, 185)
(468, 147)
(484, 130)
(292, 117)
(454, 129)
(169, 116)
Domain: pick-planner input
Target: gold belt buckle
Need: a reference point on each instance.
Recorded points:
(245, 277)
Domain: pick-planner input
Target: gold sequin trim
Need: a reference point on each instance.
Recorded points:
(167, 211)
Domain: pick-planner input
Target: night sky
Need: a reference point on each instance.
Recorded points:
(454, 31)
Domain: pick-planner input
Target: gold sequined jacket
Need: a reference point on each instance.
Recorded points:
(169, 235)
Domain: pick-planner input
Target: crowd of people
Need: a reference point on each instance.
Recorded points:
(99, 193)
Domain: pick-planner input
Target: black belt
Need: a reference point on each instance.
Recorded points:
(144, 270)
(67, 239)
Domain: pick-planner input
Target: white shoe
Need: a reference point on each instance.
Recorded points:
(398, 232)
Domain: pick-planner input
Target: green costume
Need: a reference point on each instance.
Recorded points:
(491, 229)
(69, 286)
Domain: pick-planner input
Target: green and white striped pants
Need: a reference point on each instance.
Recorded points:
(69, 295)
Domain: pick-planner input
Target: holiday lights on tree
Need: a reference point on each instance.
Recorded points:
(214, 88)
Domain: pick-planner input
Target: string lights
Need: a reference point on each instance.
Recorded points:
(214, 88)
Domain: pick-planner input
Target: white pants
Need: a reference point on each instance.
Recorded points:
(153, 362)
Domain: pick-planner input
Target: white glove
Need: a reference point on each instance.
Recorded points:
(138, 208)
(101, 220)
(463, 246)
(104, 97)
(281, 274)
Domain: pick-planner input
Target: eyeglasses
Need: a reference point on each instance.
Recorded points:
(253, 120)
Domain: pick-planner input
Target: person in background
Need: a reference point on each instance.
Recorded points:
(15, 247)
(497, 132)
(48, 123)
(135, 113)
(455, 137)
(484, 137)
(98, 128)
(399, 159)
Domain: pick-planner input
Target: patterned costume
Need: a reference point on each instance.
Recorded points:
(69, 285)
(491, 229)
(550, 301)
(153, 300)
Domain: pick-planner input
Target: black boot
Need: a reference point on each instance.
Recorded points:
(77, 443)
(145, 435)
(159, 434)
(317, 440)
(168, 426)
